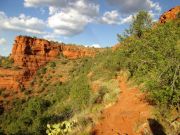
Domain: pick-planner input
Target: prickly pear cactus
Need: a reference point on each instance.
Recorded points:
(63, 128)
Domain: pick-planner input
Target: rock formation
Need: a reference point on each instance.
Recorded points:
(32, 52)
(29, 54)
(170, 15)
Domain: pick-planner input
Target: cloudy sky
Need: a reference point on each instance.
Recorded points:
(87, 22)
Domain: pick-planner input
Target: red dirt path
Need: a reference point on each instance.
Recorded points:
(126, 115)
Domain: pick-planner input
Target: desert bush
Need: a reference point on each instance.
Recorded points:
(1, 109)
(1, 91)
(22, 89)
(100, 95)
(41, 71)
(52, 64)
(80, 93)
(154, 60)
(64, 62)
(5, 94)
(27, 92)
(6, 62)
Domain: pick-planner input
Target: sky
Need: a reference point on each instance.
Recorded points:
(84, 22)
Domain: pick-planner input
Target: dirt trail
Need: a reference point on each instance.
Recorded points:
(126, 115)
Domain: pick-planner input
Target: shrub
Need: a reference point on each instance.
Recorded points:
(80, 93)
(6, 62)
(5, 94)
(154, 61)
(178, 15)
(1, 91)
(41, 71)
(64, 62)
(141, 22)
(1, 110)
(27, 92)
(100, 96)
(52, 64)
(22, 89)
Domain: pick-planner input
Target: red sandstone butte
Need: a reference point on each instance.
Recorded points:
(29, 54)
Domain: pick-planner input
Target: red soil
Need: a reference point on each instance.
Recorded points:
(126, 115)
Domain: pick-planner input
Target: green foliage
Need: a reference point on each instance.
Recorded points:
(41, 71)
(63, 128)
(1, 91)
(80, 93)
(1, 110)
(100, 96)
(141, 22)
(52, 64)
(6, 62)
(154, 60)
(178, 15)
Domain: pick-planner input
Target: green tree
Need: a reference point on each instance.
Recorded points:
(141, 22)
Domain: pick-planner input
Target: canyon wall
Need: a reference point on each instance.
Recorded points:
(29, 54)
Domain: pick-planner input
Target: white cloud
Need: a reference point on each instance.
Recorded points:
(113, 17)
(127, 8)
(67, 23)
(67, 17)
(53, 10)
(3, 41)
(154, 15)
(71, 20)
(131, 6)
(22, 23)
(70, 17)
(37, 3)
(52, 37)
(127, 19)
(155, 5)
(94, 45)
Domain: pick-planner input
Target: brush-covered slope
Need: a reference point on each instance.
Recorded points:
(28, 55)
(76, 91)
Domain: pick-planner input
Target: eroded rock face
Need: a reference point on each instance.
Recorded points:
(169, 15)
(33, 53)
(29, 54)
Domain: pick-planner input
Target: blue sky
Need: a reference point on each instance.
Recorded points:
(87, 22)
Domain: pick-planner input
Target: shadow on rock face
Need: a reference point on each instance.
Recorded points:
(156, 127)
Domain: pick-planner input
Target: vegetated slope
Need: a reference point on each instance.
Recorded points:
(128, 115)
(63, 94)
(172, 14)
(28, 55)
(152, 60)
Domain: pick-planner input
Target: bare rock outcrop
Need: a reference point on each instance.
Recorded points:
(170, 15)
(29, 54)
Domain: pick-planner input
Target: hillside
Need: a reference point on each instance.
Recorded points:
(52, 87)
(28, 55)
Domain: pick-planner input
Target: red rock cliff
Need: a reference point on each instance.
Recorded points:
(169, 15)
(33, 53)
(30, 53)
